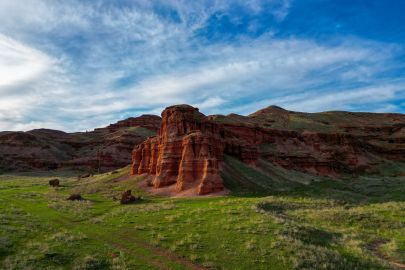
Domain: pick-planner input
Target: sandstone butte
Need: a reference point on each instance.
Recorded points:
(189, 150)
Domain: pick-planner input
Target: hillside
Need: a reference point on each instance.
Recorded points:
(326, 143)
(102, 149)
(208, 192)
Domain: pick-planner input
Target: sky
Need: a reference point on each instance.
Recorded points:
(77, 65)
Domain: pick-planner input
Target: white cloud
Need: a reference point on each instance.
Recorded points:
(388, 108)
(112, 61)
(29, 126)
(313, 101)
(19, 63)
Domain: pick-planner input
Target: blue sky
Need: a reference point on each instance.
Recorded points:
(77, 65)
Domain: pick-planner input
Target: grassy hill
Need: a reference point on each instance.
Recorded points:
(329, 121)
(274, 219)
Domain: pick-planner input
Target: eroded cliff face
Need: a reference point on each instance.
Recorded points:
(189, 150)
(148, 121)
(44, 149)
(189, 147)
(327, 143)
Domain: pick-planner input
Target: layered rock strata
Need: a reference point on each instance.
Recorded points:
(188, 151)
(149, 121)
(321, 143)
(43, 149)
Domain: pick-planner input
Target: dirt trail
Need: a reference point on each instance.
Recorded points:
(167, 254)
(160, 252)
(162, 266)
(384, 256)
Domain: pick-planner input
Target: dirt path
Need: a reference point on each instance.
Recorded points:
(167, 254)
(384, 256)
(136, 240)
(162, 266)
(163, 253)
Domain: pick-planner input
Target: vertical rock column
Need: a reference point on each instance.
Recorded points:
(186, 171)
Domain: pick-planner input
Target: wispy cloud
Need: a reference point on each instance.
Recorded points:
(75, 65)
(316, 101)
(20, 63)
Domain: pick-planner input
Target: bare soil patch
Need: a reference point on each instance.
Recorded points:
(172, 192)
(125, 177)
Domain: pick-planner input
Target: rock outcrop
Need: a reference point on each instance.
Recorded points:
(54, 183)
(44, 149)
(126, 197)
(325, 143)
(149, 121)
(188, 151)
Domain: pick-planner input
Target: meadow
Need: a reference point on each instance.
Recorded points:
(310, 223)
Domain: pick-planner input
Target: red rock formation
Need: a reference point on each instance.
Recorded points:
(320, 143)
(188, 151)
(44, 149)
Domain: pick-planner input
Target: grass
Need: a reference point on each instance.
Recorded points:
(268, 147)
(142, 131)
(301, 122)
(283, 220)
(257, 178)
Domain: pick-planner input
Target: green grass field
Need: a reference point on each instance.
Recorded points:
(281, 220)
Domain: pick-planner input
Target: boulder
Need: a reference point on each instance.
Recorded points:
(74, 197)
(54, 182)
(127, 197)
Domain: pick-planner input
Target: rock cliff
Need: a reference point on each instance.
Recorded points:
(189, 150)
(324, 143)
(186, 148)
(149, 121)
(102, 149)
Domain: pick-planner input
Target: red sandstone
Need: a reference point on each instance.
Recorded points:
(188, 151)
